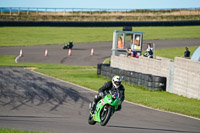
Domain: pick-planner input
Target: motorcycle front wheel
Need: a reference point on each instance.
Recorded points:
(91, 121)
(105, 116)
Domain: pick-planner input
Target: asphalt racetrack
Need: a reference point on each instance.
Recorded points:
(31, 101)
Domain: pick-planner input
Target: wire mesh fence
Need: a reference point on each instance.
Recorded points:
(97, 14)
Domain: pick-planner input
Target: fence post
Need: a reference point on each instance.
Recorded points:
(81, 10)
(64, 12)
(28, 11)
(99, 11)
(37, 11)
(10, 11)
(18, 10)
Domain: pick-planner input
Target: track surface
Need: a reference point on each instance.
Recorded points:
(30, 101)
(81, 52)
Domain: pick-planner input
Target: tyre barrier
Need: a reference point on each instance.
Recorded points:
(99, 23)
(149, 81)
(99, 69)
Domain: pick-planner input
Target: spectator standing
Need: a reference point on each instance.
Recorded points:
(149, 51)
(120, 43)
(187, 53)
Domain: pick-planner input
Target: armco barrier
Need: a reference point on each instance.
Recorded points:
(99, 23)
(151, 82)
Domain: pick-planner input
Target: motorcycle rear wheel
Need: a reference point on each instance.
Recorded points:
(107, 117)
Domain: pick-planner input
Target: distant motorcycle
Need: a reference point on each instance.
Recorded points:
(69, 45)
(105, 108)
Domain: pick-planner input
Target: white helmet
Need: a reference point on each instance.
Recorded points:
(116, 80)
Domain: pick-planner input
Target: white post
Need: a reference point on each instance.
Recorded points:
(18, 10)
(28, 11)
(10, 11)
(64, 12)
(154, 50)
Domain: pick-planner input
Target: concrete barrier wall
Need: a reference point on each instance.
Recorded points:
(159, 67)
(183, 75)
(186, 78)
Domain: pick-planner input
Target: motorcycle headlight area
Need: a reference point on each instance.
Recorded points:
(109, 100)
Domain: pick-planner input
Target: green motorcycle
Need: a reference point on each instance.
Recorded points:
(105, 108)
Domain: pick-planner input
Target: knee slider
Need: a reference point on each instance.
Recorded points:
(96, 97)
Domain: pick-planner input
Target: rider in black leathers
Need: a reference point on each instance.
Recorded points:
(109, 87)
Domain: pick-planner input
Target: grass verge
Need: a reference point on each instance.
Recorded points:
(2, 130)
(25, 36)
(78, 74)
(174, 52)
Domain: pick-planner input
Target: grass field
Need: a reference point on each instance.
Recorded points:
(160, 100)
(25, 36)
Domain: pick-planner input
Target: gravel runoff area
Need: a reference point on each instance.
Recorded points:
(81, 52)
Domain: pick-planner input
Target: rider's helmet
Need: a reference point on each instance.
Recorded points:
(116, 80)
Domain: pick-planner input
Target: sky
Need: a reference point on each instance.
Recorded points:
(104, 4)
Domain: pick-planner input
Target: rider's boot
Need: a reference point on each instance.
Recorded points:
(92, 107)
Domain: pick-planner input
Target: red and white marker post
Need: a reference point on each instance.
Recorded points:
(92, 51)
(21, 53)
(70, 52)
(46, 53)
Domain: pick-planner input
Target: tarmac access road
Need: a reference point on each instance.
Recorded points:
(31, 101)
(80, 54)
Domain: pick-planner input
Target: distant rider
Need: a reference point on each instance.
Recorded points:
(110, 86)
